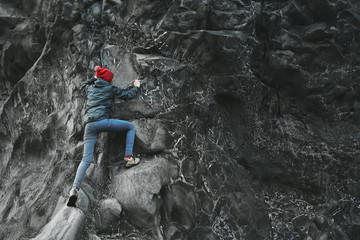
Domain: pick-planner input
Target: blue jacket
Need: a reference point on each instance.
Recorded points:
(100, 96)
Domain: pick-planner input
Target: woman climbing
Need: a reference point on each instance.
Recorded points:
(100, 94)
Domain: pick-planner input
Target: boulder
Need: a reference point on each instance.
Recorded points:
(152, 135)
(68, 223)
(109, 211)
(94, 237)
(138, 190)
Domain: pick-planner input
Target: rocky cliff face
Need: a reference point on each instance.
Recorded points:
(247, 120)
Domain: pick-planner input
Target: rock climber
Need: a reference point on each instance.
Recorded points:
(100, 94)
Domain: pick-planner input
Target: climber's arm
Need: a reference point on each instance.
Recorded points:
(127, 94)
(86, 84)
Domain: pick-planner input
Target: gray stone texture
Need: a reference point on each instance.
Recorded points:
(109, 211)
(67, 224)
(247, 119)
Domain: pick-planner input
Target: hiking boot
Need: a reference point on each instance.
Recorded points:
(73, 197)
(131, 161)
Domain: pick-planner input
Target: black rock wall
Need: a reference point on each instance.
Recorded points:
(246, 122)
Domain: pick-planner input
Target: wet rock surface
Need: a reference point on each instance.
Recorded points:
(247, 119)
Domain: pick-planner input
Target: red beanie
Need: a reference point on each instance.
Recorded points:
(104, 73)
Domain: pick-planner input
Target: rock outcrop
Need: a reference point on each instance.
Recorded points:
(67, 224)
(109, 211)
(247, 119)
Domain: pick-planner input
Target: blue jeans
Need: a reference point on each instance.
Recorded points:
(92, 131)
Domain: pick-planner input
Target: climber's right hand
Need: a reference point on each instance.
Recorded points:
(137, 83)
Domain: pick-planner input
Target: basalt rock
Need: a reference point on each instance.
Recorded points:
(21, 41)
(67, 224)
(109, 211)
(247, 119)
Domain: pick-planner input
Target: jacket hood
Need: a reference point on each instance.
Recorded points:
(101, 83)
